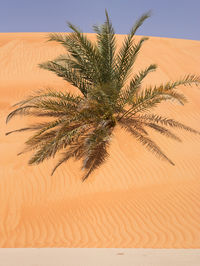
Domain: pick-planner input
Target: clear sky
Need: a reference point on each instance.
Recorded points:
(170, 18)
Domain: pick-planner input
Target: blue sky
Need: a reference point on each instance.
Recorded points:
(170, 18)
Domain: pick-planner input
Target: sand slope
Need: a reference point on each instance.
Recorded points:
(135, 199)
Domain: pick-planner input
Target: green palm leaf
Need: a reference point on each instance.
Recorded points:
(129, 51)
(126, 95)
(167, 122)
(106, 43)
(67, 74)
(147, 142)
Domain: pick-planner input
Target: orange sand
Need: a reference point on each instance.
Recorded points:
(135, 199)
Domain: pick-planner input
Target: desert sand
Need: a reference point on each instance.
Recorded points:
(135, 200)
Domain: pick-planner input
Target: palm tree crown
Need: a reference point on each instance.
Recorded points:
(83, 125)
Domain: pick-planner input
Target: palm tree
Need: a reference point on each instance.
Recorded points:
(82, 126)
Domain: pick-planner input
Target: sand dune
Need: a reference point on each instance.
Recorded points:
(135, 199)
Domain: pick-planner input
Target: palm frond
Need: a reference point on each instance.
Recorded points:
(125, 63)
(37, 141)
(88, 51)
(58, 37)
(134, 124)
(44, 113)
(81, 66)
(189, 79)
(167, 122)
(66, 156)
(76, 57)
(43, 128)
(139, 23)
(95, 158)
(79, 50)
(30, 128)
(127, 53)
(76, 150)
(49, 93)
(149, 98)
(24, 110)
(67, 74)
(40, 107)
(63, 137)
(57, 106)
(147, 142)
(95, 146)
(126, 95)
(163, 131)
(106, 43)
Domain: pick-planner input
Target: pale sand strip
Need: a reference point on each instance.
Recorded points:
(99, 257)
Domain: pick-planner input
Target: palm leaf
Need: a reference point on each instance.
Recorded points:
(30, 128)
(67, 74)
(147, 142)
(106, 42)
(189, 79)
(75, 150)
(63, 137)
(163, 131)
(89, 51)
(43, 128)
(167, 122)
(126, 95)
(80, 49)
(134, 124)
(150, 98)
(24, 110)
(96, 149)
(49, 93)
(123, 68)
(126, 53)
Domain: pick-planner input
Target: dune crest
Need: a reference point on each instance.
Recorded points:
(135, 199)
